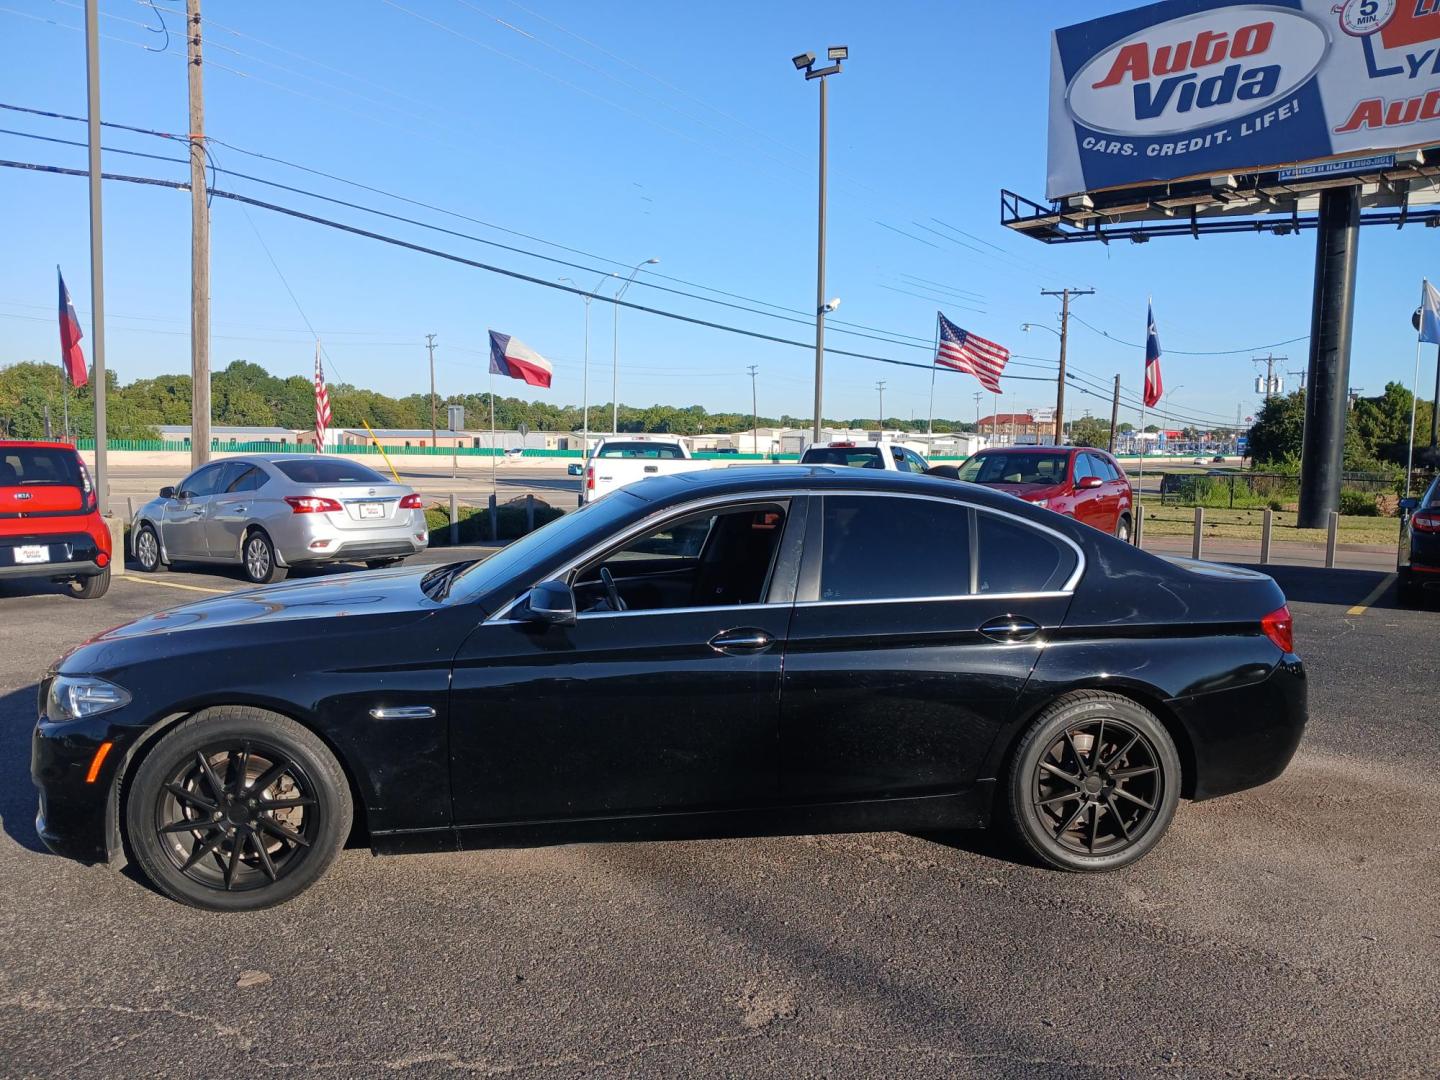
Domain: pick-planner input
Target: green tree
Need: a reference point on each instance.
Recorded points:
(1088, 431)
(1279, 430)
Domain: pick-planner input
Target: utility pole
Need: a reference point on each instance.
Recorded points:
(754, 411)
(979, 397)
(434, 433)
(97, 252)
(1065, 295)
(199, 248)
(880, 386)
(1115, 415)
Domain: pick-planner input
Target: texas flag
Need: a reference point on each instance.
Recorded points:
(514, 359)
(72, 359)
(1154, 386)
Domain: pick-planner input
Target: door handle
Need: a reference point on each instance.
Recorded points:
(404, 712)
(1008, 629)
(747, 640)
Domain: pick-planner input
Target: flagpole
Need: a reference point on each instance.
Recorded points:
(65, 396)
(1415, 395)
(934, 363)
(493, 446)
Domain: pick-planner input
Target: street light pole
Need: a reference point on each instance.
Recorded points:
(806, 62)
(97, 253)
(615, 348)
(754, 411)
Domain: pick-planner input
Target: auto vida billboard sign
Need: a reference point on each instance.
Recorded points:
(1190, 88)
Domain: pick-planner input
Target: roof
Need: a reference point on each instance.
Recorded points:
(1031, 450)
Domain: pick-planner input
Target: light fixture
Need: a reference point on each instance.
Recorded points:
(831, 306)
(803, 61)
(838, 52)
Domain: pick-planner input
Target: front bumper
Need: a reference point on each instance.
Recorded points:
(71, 555)
(74, 816)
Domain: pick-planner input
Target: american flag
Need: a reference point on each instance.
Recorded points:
(971, 353)
(322, 403)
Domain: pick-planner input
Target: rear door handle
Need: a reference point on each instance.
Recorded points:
(1010, 628)
(743, 641)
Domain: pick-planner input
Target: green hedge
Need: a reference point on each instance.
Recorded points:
(475, 522)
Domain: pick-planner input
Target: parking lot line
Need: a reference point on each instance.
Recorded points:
(1364, 605)
(174, 585)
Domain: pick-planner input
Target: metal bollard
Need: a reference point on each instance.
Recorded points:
(1332, 528)
(1197, 545)
(1139, 525)
(454, 520)
(529, 512)
(1265, 533)
(494, 521)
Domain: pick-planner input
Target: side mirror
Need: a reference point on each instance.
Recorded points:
(1087, 483)
(167, 493)
(552, 603)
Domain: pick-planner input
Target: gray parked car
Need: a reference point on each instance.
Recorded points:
(269, 512)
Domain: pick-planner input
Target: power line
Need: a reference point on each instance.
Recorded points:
(1189, 352)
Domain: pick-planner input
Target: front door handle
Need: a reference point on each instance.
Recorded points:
(741, 642)
(403, 712)
(1010, 628)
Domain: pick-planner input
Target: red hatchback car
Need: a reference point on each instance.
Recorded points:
(1087, 485)
(50, 524)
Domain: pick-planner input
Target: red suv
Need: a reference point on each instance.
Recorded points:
(1087, 485)
(50, 525)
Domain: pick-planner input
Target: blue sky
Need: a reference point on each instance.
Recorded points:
(627, 131)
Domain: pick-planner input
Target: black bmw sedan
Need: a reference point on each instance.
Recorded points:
(733, 652)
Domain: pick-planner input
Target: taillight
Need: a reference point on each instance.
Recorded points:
(88, 498)
(1279, 627)
(312, 504)
(412, 502)
(1426, 521)
(590, 478)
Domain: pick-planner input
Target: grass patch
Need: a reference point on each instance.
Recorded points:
(475, 522)
(1248, 525)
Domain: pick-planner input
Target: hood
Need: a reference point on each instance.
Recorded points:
(377, 592)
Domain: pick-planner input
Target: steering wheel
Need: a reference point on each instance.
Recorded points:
(612, 594)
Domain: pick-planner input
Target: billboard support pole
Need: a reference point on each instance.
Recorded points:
(1331, 322)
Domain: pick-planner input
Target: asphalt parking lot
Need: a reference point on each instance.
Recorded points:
(1289, 931)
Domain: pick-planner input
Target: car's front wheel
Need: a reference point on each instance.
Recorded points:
(237, 809)
(258, 559)
(147, 549)
(1093, 784)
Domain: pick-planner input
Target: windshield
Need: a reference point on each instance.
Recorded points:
(329, 471)
(860, 457)
(1016, 468)
(535, 552)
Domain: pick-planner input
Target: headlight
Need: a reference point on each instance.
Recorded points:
(74, 696)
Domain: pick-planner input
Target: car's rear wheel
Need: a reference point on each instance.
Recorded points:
(1093, 784)
(237, 809)
(93, 587)
(379, 564)
(147, 549)
(258, 559)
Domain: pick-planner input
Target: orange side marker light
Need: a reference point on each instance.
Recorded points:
(97, 761)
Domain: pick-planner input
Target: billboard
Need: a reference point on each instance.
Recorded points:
(1192, 88)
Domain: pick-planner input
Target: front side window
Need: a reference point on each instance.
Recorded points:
(893, 548)
(202, 483)
(1016, 467)
(1015, 558)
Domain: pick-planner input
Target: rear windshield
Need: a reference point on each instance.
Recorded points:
(1010, 468)
(25, 466)
(861, 457)
(329, 471)
(655, 451)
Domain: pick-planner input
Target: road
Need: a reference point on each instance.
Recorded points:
(1293, 930)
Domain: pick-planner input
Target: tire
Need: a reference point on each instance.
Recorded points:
(381, 564)
(147, 549)
(251, 856)
(92, 588)
(257, 559)
(1074, 812)
(1122, 528)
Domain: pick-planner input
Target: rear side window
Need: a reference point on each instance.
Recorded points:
(244, 478)
(861, 457)
(25, 466)
(328, 471)
(892, 548)
(652, 451)
(1015, 558)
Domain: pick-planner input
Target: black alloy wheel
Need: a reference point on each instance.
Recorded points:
(147, 549)
(237, 809)
(1094, 783)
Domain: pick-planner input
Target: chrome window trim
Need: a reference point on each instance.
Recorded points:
(650, 520)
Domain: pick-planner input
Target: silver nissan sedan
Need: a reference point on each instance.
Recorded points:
(271, 512)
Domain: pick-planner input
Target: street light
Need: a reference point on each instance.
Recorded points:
(806, 62)
(585, 370)
(615, 348)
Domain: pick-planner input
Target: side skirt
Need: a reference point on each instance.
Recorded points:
(970, 810)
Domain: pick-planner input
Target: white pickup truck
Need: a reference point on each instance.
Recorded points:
(626, 459)
(865, 455)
